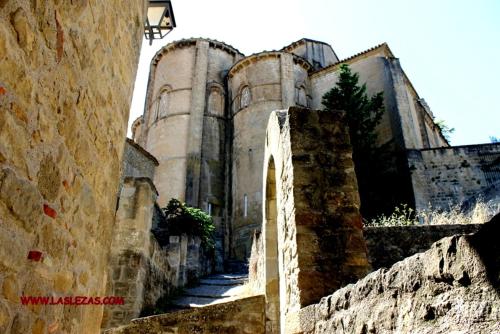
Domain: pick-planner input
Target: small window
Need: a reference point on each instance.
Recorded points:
(154, 112)
(245, 205)
(245, 97)
(163, 105)
(301, 96)
(215, 103)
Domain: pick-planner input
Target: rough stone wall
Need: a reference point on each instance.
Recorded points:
(66, 82)
(130, 256)
(137, 162)
(270, 79)
(256, 265)
(390, 244)
(315, 222)
(245, 316)
(455, 175)
(451, 288)
(142, 267)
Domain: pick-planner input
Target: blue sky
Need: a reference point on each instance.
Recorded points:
(450, 50)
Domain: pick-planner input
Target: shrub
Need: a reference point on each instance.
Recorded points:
(183, 219)
(401, 216)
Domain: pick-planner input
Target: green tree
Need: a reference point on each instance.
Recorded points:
(373, 165)
(363, 113)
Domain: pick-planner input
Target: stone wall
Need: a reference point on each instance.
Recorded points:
(245, 316)
(137, 162)
(390, 244)
(258, 85)
(185, 126)
(451, 288)
(66, 82)
(455, 175)
(407, 121)
(312, 231)
(145, 262)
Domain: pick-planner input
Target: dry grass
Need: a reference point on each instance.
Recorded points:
(402, 216)
(481, 213)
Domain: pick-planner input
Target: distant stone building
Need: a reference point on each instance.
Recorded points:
(208, 106)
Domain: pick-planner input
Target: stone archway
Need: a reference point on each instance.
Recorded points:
(312, 232)
(272, 263)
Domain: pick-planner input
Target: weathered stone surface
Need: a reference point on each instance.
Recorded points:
(66, 81)
(312, 242)
(455, 175)
(141, 269)
(390, 244)
(451, 288)
(185, 126)
(245, 316)
(270, 79)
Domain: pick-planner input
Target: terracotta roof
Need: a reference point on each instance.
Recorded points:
(142, 150)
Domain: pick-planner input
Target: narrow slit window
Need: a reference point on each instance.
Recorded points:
(209, 208)
(245, 205)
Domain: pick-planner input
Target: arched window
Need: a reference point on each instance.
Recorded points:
(163, 104)
(215, 102)
(245, 97)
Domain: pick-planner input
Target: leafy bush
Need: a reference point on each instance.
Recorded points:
(183, 219)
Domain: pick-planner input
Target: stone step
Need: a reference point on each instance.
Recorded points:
(222, 282)
(228, 276)
(214, 291)
(191, 301)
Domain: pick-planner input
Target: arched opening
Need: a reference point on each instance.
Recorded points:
(271, 252)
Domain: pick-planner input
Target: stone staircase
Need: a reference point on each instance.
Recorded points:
(214, 289)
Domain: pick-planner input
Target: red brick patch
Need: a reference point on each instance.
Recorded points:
(49, 211)
(2, 90)
(35, 255)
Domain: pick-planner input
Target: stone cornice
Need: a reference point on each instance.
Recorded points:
(265, 55)
(190, 42)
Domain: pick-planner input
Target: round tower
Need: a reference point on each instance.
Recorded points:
(184, 123)
(258, 85)
(184, 118)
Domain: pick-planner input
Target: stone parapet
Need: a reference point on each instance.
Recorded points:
(451, 288)
(388, 245)
(244, 316)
